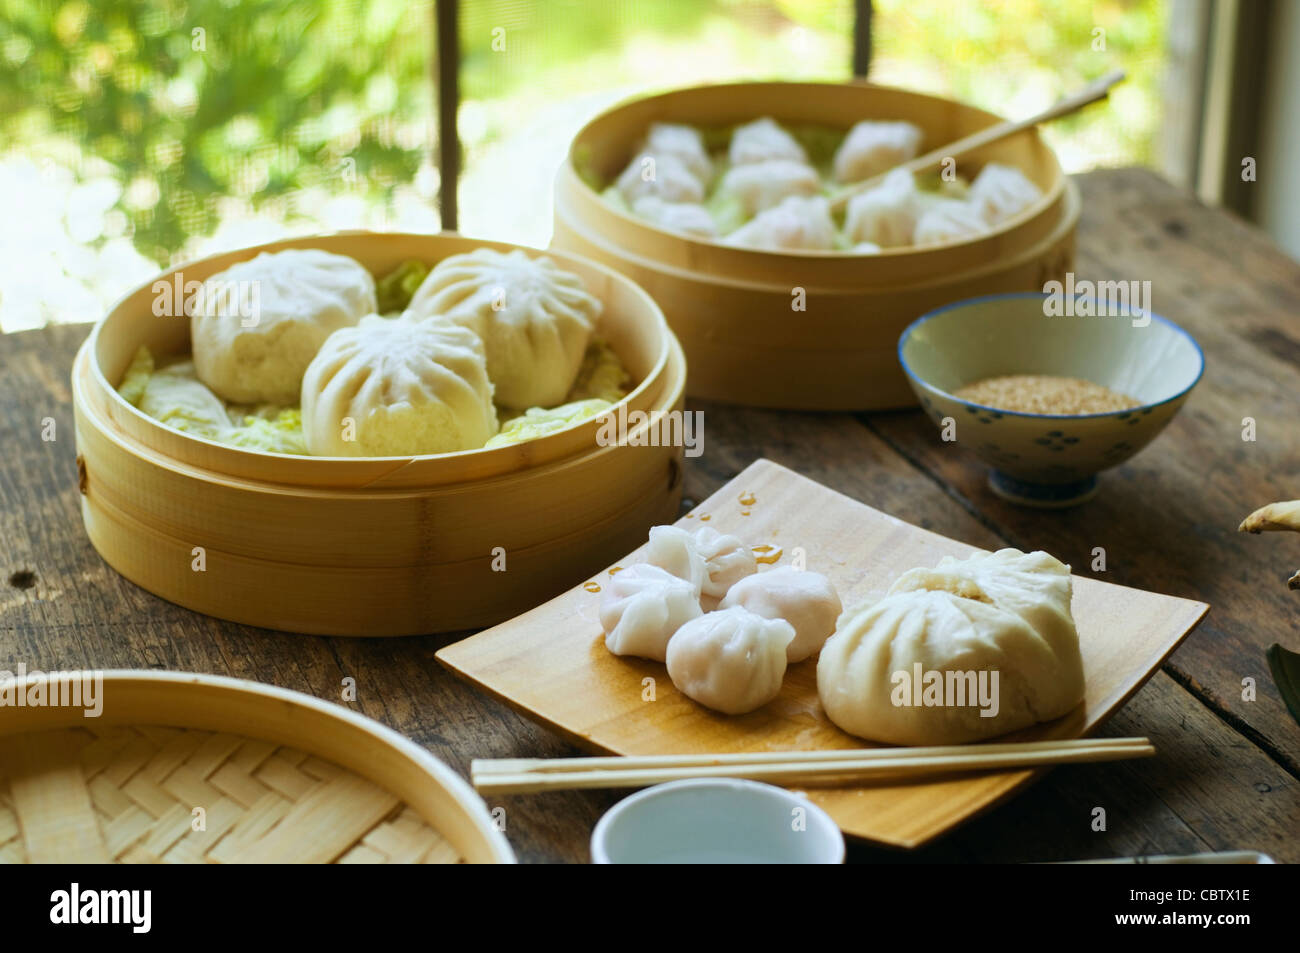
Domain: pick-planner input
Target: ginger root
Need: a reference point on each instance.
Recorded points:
(1275, 516)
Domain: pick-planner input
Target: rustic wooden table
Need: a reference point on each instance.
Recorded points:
(1228, 771)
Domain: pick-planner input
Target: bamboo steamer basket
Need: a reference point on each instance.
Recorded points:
(732, 308)
(375, 546)
(275, 777)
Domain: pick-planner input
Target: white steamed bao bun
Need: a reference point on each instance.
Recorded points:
(806, 600)
(534, 319)
(731, 660)
(1006, 612)
(301, 296)
(642, 606)
(397, 387)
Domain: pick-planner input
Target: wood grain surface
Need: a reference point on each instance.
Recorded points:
(1228, 772)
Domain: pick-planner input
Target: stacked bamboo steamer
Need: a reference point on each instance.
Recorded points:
(735, 310)
(370, 546)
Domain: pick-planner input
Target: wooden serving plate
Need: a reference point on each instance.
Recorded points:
(551, 663)
(187, 768)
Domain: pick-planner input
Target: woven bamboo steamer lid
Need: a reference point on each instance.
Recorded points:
(276, 776)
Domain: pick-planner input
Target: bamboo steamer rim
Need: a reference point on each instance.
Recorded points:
(476, 464)
(670, 396)
(698, 246)
(179, 689)
(1069, 217)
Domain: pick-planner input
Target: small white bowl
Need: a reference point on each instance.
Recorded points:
(716, 821)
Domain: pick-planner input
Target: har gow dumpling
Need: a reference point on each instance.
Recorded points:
(966, 651)
(397, 387)
(688, 217)
(872, 147)
(663, 176)
(763, 185)
(885, 214)
(682, 142)
(298, 297)
(534, 319)
(732, 660)
(806, 600)
(1001, 191)
(948, 220)
(641, 608)
(711, 561)
(795, 224)
(762, 141)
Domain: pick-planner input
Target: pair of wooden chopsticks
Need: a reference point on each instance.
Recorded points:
(527, 775)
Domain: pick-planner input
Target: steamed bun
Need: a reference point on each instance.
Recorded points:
(397, 387)
(534, 319)
(1001, 617)
(300, 296)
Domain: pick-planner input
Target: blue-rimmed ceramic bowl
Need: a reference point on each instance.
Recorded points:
(1041, 459)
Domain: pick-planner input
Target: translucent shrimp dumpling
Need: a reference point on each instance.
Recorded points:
(762, 141)
(872, 147)
(534, 319)
(795, 224)
(885, 214)
(731, 660)
(709, 560)
(688, 217)
(1001, 191)
(259, 323)
(397, 387)
(664, 176)
(762, 185)
(682, 142)
(947, 220)
(642, 606)
(806, 600)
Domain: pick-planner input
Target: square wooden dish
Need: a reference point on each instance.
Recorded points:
(551, 663)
